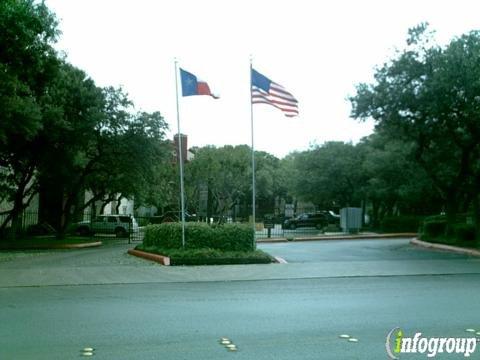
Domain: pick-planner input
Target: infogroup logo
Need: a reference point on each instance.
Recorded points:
(397, 343)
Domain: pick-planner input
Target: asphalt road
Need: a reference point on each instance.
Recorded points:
(292, 318)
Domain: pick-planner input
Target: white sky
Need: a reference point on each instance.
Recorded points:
(318, 50)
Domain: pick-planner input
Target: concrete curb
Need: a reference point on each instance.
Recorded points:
(56, 246)
(163, 260)
(455, 249)
(339, 237)
(79, 246)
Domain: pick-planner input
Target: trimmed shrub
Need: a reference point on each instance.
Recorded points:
(401, 223)
(199, 236)
(233, 237)
(168, 235)
(433, 229)
(217, 257)
(227, 237)
(464, 232)
(210, 256)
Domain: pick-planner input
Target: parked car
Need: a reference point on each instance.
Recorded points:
(120, 225)
(318, 220)
(332, 217)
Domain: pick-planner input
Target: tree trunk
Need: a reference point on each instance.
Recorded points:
(451, 210)
(476, 215)
(374, 220)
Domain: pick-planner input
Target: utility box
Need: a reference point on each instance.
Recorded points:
(351, 219)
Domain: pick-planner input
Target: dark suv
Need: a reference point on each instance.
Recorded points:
(318, 220)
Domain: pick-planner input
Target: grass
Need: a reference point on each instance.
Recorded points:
(42, 242)
(209, 256)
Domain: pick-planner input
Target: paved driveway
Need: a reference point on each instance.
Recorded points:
(355, 250)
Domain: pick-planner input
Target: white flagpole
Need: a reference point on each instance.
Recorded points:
(253, 156)
(180, 157)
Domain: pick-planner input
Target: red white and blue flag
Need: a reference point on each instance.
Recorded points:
(191, 85)
(265, 91)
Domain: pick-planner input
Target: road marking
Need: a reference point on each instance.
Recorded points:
(344, 336)
(353, 340)
(229, 345)
(470, 330)
(87, 351)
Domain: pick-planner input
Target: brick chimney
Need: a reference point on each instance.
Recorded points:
(184, 139)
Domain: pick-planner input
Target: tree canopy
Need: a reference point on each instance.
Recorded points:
(429, 96)
(61, 134)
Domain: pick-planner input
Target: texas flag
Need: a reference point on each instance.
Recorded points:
(191, 85)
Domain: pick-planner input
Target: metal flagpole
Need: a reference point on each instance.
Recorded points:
(180, 157)
(253, 156)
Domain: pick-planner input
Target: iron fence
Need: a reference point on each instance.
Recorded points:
(132, 229)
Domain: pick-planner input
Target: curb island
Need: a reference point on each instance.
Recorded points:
(455, 249)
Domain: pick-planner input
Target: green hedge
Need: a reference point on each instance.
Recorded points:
(210, 256)
(401, 223)
(464, 232)
(227, 237)
(433, 229)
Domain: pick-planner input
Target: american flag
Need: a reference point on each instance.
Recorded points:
(265, 91)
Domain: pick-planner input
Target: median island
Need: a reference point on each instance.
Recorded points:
(221, 244)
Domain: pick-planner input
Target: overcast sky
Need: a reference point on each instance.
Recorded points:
(318, 50)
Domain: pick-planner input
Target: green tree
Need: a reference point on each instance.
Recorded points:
(225, 171)
(429, 96)
(395, 183)
(28, 63)
(330, 175)
(102, 146)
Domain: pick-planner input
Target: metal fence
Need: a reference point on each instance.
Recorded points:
(275, 228)
(92, 228)
(132, 229)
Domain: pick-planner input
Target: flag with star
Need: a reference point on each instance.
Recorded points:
(191, 85)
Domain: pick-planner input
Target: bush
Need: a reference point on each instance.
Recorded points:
(401, 223)
(143, 221)
(217, 257)
(436, 229)
(226, 237)
(464, 232)
(433, 229)
(209, 256)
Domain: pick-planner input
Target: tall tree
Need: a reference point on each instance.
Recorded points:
(395, 183)
(28, 63)
(429, 96)
(330, 175)
(104, 148)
